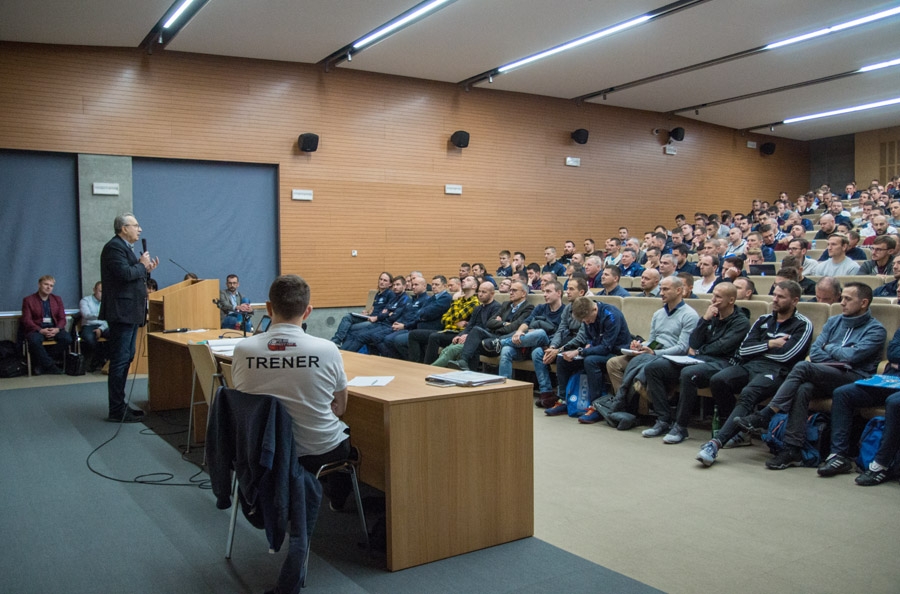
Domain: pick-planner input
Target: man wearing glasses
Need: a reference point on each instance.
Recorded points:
(798, 248)
(123, 275)
(882, 256)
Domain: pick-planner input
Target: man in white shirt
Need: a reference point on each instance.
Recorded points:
(837, 264)
(306, 374)
(707, 265)
(93, 329)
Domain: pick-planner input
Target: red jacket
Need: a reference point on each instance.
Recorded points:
(33, 313)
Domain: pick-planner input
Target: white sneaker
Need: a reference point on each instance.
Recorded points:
(707, 454)
(660, 428)
(740, 440)
(676, 434)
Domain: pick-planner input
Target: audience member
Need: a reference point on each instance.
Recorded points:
(511, 315)
(847, 349)
(848, 399)
(609, 280)
(382, 296)
(837, 264)
(713, 342)
(43, 320)
(774, 344)
(93, 329)
(603, 334)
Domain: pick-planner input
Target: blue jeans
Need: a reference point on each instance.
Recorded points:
(396, 345)
(121, 353)
(348, 323)
(43, 355)
(510, 352)
(593, 365)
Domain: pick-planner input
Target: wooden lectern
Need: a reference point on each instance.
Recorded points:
(188, 304)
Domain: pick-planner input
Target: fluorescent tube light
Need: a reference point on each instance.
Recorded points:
(434, 4)
(879, 66)
(849, 24)
(178, 13)
(576, 43)
(826, 114)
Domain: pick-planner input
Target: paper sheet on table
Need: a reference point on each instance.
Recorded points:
(371, 380)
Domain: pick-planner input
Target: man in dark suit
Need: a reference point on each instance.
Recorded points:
(124, 307)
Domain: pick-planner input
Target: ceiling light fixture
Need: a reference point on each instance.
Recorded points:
(171, 24)
(575, 43)
(417, 12)
(736, 56)
(827, 114)
(178, 13)
(413, 15)
(663, 11)
(848, 25)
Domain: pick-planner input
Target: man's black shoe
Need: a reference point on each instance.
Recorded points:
(835, 465)
(789, 456)
(755, 422)
(129, 417)
(491, 345)
(136, 411)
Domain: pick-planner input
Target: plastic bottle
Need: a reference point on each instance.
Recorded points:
(716, 423)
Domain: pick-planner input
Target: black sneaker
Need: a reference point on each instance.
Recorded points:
(834, 465)
(870, 478)
(755, 422)
(789, 456)
(491, 345)
(127, 417)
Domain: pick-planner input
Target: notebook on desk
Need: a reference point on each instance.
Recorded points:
(464, 379)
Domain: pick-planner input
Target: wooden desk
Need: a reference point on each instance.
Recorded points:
(169, 373)
(456, 464)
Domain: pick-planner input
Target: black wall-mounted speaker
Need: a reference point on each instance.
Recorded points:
(767, 148)
(676, 134)
(580, 136)
(460, 139)
(308, 142)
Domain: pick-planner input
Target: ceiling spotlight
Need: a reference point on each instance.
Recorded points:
(696, 112)
(771, 128)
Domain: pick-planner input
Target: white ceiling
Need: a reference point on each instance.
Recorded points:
(469, 37)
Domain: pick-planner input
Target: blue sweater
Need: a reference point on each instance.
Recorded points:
(857, 341)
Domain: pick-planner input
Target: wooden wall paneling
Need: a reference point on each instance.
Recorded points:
(383, 160)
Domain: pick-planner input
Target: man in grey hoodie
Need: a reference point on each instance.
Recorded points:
(848, 348)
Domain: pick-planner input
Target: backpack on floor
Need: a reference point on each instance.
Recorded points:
(816, 436)
(578, 395)
(870, 441)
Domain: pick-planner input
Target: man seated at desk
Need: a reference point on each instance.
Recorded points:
(306, 374)
(235, 308)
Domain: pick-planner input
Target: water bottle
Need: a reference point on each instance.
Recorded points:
(715, 422)
(813, 244)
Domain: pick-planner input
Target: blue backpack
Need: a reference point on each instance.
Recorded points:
(870, 441)
(816, 425)
(578, 397)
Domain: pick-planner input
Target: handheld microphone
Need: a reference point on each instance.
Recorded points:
(143, 245)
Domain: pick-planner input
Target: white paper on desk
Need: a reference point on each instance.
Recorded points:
(683, 359)
(371, 380)
(223, 342)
